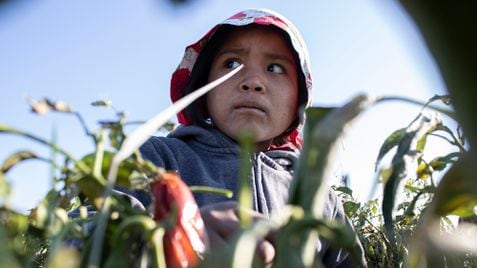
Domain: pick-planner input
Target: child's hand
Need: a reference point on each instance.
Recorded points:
(222, 223)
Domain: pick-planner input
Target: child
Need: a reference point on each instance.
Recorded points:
(265, 98)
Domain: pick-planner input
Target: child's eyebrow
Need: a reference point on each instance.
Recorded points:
(269, 55)
(277, 56)
(232, 51)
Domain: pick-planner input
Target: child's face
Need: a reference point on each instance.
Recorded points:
(262, 97)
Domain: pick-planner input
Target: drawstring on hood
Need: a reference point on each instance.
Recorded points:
(182, 75)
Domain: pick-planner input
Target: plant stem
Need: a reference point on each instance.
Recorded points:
(79, 164)
(85, 127)
(98, 158)
(211, 190)
(449, 113)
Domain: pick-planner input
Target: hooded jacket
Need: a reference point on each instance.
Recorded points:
(206, 156)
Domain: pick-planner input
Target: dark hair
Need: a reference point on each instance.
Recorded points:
(197, 111)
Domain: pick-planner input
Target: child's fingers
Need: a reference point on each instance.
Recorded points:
(222, 223)
(221, 219)
(266, 252)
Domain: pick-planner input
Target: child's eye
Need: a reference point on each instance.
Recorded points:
(274, 68)
(231, 64)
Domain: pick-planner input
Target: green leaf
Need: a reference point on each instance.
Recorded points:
(421, 143)
(351, 208)
(93, 188)
(245, 196)
(403, 161)
(345, 190)
(13, 221)
(7, 255)
(440, 163)
(457, 190)
(457, 140)
(426, 189)
(390, 142)
(335, 233)
(125, 171)
(467, 209)
(16, 158)
(385, 174)
(374, 209)
(323, 129)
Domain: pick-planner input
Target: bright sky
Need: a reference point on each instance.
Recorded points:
(125, 51)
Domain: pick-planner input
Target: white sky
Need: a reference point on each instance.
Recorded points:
(81, 51)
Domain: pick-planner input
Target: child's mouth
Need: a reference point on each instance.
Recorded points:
(252, 108)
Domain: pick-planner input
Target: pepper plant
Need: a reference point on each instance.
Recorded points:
(68, 218)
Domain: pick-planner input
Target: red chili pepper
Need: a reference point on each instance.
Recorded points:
(188, 238)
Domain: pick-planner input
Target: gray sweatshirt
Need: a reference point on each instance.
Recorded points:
(208, 157)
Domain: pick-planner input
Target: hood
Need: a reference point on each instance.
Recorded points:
(181, 76)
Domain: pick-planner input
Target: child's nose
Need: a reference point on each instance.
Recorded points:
(253, 82)
(246, 87)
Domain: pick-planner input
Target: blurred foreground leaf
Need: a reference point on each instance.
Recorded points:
(450, 33)
(322, 132)
(457, 191)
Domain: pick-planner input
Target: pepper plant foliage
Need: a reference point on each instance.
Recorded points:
(409, 226)
(390, 230)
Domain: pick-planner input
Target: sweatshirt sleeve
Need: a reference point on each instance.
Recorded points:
(150, 151)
